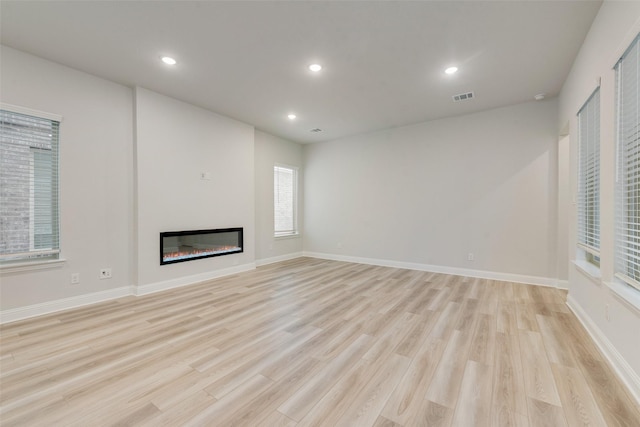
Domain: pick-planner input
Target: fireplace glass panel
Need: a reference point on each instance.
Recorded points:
(179, 246)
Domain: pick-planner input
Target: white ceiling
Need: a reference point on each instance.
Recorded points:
(383, 61)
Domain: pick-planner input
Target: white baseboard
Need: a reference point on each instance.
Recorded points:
(491, 275)
(13, 315)
(625, 373)
(285, 257)
(21, 313)
(190, 280)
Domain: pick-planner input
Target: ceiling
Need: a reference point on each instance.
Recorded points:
(383, 61)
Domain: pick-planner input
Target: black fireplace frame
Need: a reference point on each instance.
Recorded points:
(239, 230)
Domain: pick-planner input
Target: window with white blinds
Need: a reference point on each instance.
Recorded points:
(28, 187)
(589, 177)
(627, 265)
(285, 200)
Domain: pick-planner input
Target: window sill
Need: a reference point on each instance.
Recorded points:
(628, 294)
(591, 271)
(18, 267)
(287, 236)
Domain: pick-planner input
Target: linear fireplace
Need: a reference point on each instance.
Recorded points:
(180, 246)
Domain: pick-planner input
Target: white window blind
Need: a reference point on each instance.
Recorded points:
(28, 186)
(285, 189)
(628, 167)
(589, 176)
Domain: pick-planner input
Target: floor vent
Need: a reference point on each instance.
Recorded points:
(463, 97)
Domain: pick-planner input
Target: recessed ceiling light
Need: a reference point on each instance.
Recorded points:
(315, 67)
(539, 97)
(168, 60)
(291, 116)
(451, 70)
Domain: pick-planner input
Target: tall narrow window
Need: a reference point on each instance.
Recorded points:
(285, 200)
(28, 187)
(627, 265)
(589, 178)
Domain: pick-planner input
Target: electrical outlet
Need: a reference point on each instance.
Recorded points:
(470, 257)
(339, 245)
(75, 278)
(105, 273)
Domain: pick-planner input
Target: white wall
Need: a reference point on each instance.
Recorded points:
(96, 177)
(175, 142)
(130, 168)
(432, 193)
(615, 26)
(564, 207)
(270, 150)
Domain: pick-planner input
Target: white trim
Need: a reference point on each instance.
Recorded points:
(625, 373)
(296, 198)
(629, 295)
(589, 270)
(30, 112)
(625, 43)
(624, 279)
(492, 275)
(589, 92)
(190, 280)
(592, 251)
(279, 258)
(18, 267)
(295, 235)
(21, 313)
(17, 256)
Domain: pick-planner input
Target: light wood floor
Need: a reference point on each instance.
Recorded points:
(313, 342)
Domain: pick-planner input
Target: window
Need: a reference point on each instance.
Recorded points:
(285, 200)
(589, 178)
(627, 266)
(28, 186)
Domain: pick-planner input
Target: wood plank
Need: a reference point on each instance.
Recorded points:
(338, 399)
(182, 411)
(615, 404)
(406, 399)
(506, 318)
(538, 377)
(276, 419)
(447, 379)
(543, 414)
(555, 342)
(254, 411)
(433, 415)
(370, 399)
(384, 422)
(219, 412)
(579, 406)
(509, 403)
(484, 340)
(328, 342)
(526, 318)
(308, 395)
(474, 402)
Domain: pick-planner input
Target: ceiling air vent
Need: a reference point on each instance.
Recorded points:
(463, 97)
(316, 130)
